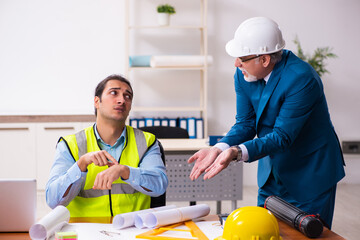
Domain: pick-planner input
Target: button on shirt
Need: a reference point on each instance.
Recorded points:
(151, 173)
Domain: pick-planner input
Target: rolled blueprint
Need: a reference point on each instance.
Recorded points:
(50, 224)
(180, 61)
(171, 216)
(124, 220)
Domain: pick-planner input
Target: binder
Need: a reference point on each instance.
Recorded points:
(199, 128)
(157, 122)
(141, 122)
(214, 139)
(172, 122)
(133, 122)
(183, 123)
(191, 127)
(165, 122)
(149, 122)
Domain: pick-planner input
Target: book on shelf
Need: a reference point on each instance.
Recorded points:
(194, 126)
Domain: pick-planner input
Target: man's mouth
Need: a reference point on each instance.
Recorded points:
(120, 109)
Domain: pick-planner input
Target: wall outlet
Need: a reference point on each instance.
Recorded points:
(351, 147)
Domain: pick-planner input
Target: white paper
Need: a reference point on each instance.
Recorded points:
(124, 220)
(49, 224)
(99, 231)
(180, 61)
(166, 217)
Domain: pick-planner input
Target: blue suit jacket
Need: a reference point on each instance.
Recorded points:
(295, 137)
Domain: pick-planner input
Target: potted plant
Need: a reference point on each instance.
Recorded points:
(317, 60)
(164, 12)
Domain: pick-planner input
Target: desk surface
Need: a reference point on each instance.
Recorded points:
(286, 231)
(183, 144)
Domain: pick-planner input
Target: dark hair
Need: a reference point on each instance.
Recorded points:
(101, 86)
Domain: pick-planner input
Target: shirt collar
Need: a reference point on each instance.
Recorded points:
(119, 141)
(266, 79)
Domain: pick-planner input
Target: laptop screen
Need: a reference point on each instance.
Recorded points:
(17, 204)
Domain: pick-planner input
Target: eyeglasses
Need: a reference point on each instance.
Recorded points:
(247, 59)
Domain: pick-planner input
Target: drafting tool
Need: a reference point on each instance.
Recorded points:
(111, 234)
(194, 230)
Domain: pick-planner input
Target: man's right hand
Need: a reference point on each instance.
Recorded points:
(204, 158)
(99, 158)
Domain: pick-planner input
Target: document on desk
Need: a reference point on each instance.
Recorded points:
(96, 231)
(170, 216)
(51, 223)
(125, 220)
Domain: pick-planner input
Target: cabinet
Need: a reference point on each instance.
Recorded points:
(27, 149)
(161, 90)
(47, 135)
(17, 150)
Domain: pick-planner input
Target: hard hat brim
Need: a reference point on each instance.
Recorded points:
(234, 50)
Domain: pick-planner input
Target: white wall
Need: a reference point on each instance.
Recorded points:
(53, 53)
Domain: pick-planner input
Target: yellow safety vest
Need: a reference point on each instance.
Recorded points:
(122, 198)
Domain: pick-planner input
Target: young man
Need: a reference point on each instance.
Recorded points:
(280, 99)
(108, 168)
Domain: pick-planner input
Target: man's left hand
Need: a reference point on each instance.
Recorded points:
(105, 178)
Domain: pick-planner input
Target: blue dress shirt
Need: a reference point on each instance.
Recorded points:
(151, 173)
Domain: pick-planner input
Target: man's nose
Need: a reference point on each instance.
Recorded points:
(238, 62)
(120, 99)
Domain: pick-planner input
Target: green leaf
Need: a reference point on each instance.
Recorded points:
(317, 59)
(166, 8)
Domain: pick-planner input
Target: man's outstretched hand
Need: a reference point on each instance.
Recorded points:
(203, 159)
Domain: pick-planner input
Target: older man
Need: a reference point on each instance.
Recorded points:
(280, 99)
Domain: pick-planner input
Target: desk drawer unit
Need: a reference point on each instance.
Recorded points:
(227, 185)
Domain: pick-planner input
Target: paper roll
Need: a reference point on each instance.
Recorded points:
(49, 224)
(125, 220)
(139, 61)
(180, 61)
(171, 216)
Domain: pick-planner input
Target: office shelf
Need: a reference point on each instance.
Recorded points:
(186, 29)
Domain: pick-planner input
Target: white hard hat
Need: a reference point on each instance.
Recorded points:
(256, 36)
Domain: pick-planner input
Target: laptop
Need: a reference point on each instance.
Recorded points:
(17, 204)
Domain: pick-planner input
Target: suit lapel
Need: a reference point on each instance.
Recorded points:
(270, 87)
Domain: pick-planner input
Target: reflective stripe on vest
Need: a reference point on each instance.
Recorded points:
(139, 138)
(118, 188)
(122, 197)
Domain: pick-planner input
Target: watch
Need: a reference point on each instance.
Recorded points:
(239, 154)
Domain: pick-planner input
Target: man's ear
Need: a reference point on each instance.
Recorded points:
(265, 60)
(96, 102)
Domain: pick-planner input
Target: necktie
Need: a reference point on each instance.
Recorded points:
(262, 85)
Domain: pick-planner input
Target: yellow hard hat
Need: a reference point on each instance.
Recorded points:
(251, 223)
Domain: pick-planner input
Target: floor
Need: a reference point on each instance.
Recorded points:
(346, 217)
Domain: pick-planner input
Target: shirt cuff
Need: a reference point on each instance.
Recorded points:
(134, 176)
(245, 153)
(222, 146)
(74, 173)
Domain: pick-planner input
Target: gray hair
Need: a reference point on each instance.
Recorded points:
(276, 57)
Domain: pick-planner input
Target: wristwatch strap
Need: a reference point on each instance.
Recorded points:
(239, 155)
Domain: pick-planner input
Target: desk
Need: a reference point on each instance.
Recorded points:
(227, 185)
(286, 231)
(182, 144)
